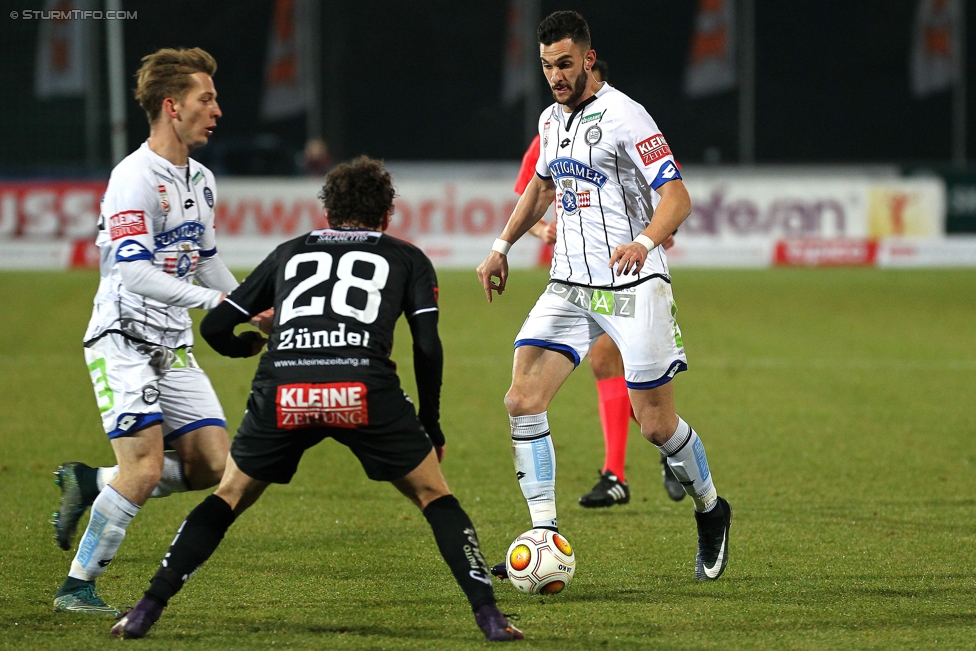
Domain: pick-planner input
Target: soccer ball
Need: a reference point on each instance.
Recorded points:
(540, 561)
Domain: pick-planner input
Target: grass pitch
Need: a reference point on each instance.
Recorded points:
(836, 406)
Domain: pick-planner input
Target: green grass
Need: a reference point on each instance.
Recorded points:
(836, 406)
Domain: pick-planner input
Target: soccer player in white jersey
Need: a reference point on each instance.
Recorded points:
(156, 234)
(618, 195)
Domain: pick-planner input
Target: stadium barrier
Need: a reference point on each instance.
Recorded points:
(741, 220)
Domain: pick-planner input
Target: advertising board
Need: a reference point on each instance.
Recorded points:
(742, 221)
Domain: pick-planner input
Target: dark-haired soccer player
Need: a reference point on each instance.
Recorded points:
(156, 235)
(618, 195)
(608, 371)
(337, 294)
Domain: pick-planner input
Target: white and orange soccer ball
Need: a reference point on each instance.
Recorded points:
(540, 561)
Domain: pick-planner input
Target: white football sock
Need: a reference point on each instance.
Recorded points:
(105, 475)
(110, 515)
(171, 480)
(535, 466)
(686, 456)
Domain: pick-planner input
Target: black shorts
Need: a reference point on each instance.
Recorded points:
(380, 426)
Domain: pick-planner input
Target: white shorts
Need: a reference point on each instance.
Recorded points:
(132, 394)
(639, 319)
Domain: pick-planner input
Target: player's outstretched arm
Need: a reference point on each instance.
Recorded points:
(141, 277)
(217, 328)
(428, 368)
(254, 297)
(673, 209)
(213, 273)
(532, 205)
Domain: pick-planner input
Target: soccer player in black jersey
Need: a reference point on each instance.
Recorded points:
(337, 294)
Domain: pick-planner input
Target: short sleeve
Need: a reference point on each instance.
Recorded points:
(646, 146)
(421, 294)
(127, 209)
(256, 294)
(545, 123)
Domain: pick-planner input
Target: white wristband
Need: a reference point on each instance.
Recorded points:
(646, 241)
(501, 246)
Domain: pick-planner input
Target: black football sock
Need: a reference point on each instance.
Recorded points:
(195, 542)
(458, 544)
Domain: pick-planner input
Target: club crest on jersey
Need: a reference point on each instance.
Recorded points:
(593, 135)
(183, 265)
(334, 404)
(208, 196)
(570, 167)
(653, 149)
(545, 134)
(570, 202)
(163, 198)
(127, 224)
(190, 231)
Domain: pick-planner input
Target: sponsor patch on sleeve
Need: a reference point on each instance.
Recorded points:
(334, 404)
(653, 149)
(127, 223)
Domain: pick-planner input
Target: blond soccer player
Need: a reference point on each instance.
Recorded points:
(158, 408)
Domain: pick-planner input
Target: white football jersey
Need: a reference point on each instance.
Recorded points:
(607, 160)
(152, 210)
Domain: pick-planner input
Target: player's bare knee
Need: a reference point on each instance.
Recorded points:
(519, 403)
(203, 473)
(139, 478)
(655, 429)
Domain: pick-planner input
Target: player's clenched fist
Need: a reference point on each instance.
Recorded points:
(629, 258)
(494, 266)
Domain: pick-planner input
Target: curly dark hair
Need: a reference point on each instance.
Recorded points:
(358, 193)
(565, 24)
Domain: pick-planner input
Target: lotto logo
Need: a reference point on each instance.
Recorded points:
(132, 250)
(335, 404)
(652, 149)
(126, 224)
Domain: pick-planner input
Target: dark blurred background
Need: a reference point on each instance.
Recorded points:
(422, 80)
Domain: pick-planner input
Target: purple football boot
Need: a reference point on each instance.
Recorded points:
(495, 625)
(137, 622)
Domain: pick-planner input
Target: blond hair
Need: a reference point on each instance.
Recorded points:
(166, 73)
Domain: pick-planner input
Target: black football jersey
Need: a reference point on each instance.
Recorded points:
(337, 295)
